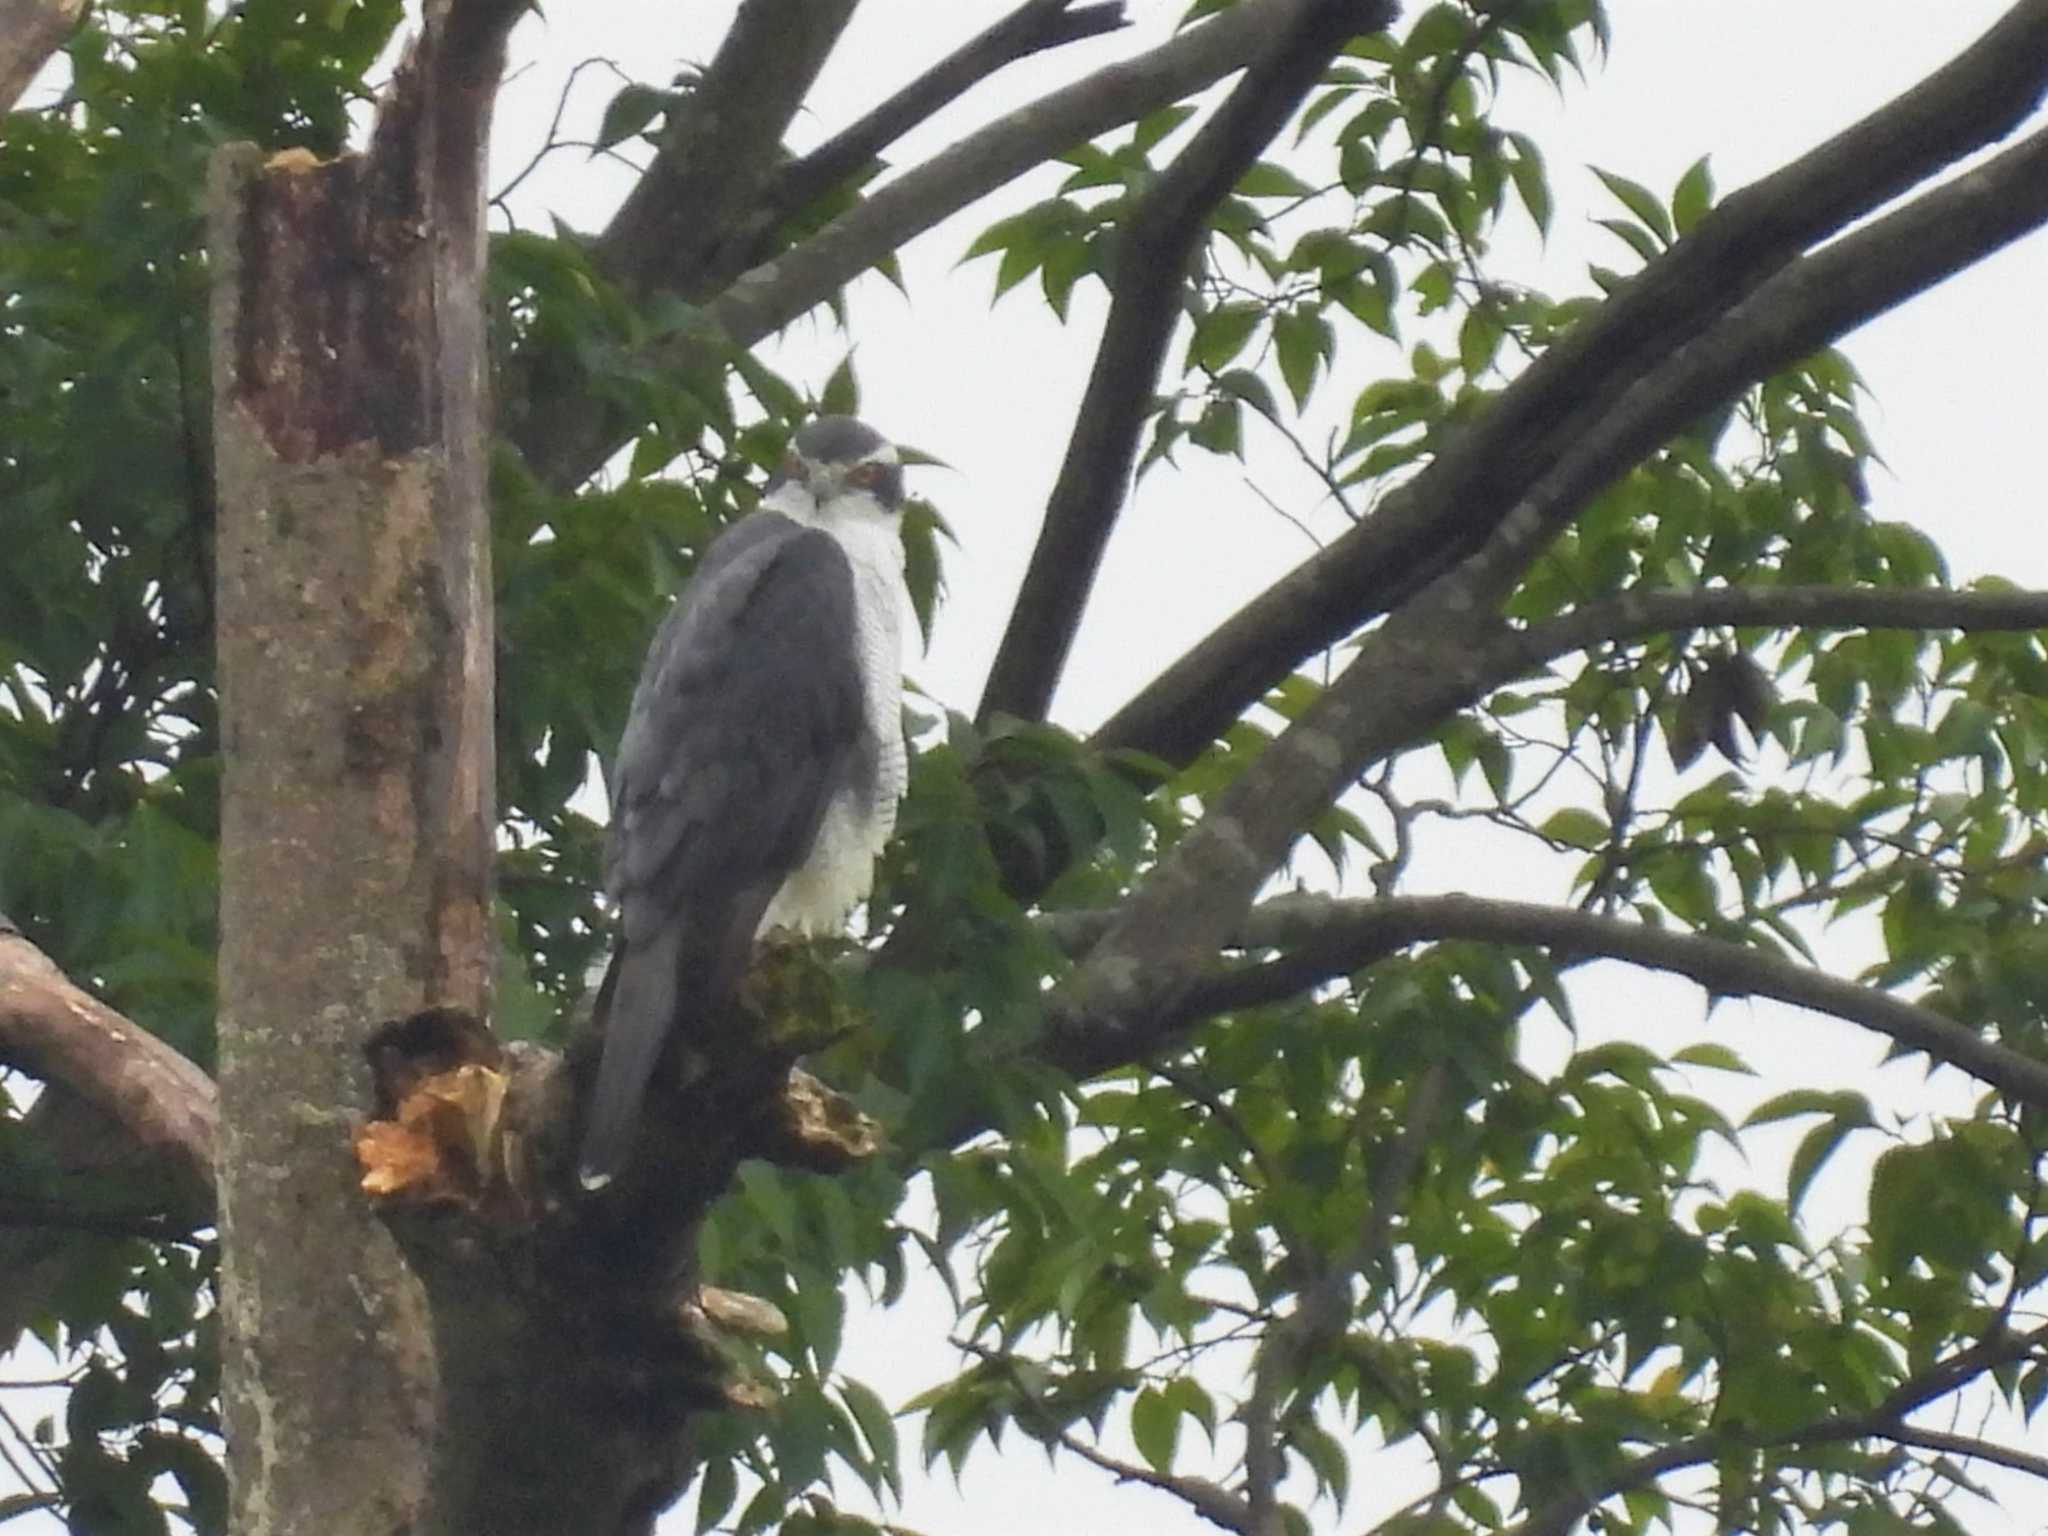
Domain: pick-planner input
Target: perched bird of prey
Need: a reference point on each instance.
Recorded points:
(762, 759)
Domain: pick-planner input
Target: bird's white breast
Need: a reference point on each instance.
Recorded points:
(840, 868)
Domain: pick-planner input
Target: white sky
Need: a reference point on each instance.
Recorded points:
(1959, 380)
(1959, 383)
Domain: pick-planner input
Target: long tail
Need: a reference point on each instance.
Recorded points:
(641, 986)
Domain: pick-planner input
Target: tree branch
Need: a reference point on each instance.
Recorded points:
(53, 1030)
(1213, 1502)
(1033, 27)
(1151, 258)
(1446, 646)
(1803, 308)
(471, 55)
(721, 146)
(1325, 1304)
(31, 31)
(90, 1157)
(1423, 527)
(1967, 1446)
(1562, 1515)
(1323, 938)
(565, 435)
(1635, 614)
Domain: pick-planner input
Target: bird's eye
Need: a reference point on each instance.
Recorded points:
(866, 475)
(792, 467)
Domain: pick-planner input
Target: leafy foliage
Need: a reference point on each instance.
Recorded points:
(1546, 1286)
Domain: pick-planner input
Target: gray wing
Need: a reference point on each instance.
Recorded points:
(747, 720)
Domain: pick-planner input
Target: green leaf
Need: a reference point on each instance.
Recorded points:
(1811, 1155)
(630, 111)
(1847, 1106)
(877, 1425)
(1640, 201)
(1712, 1054)
(717, 1487)
(1693, 196)
(1302, 339)
(1525, 168)
(1156, 125)
(1222, 333)
(1576, 827)
(841, 395)
(1269, 180)
(1155, 1428)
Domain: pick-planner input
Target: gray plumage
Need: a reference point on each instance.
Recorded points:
(762, 757)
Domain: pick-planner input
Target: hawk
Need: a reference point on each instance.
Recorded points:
(758, 774)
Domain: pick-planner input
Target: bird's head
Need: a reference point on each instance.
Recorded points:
(837, 467)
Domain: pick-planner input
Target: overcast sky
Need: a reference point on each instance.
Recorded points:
(1958, 380)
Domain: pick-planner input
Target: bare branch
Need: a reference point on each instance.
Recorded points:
(1968, 1446)
(1632, 615)
(565, 435)
(1425, 526)
(1152, 255)
(30, 32)
(53, 1030)
(1323, 938)
(721, 146)
(1032, 28)
(1562, 1515)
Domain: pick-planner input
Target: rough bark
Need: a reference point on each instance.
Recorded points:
(570, 1344)
(355, 672)
(478, 1353)
(56, 1031)
(30, 32)
(722, 143)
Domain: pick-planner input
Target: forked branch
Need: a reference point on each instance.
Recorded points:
(721, 144)
(1315, 940)
(564, 440)
(1032, 28)
(1152, 256)
(1447, 646)
(1636, 360)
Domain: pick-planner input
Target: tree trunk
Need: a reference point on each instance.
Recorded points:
(355, 675)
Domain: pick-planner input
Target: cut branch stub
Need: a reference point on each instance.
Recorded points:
(572, 1340)
(460, 1121)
